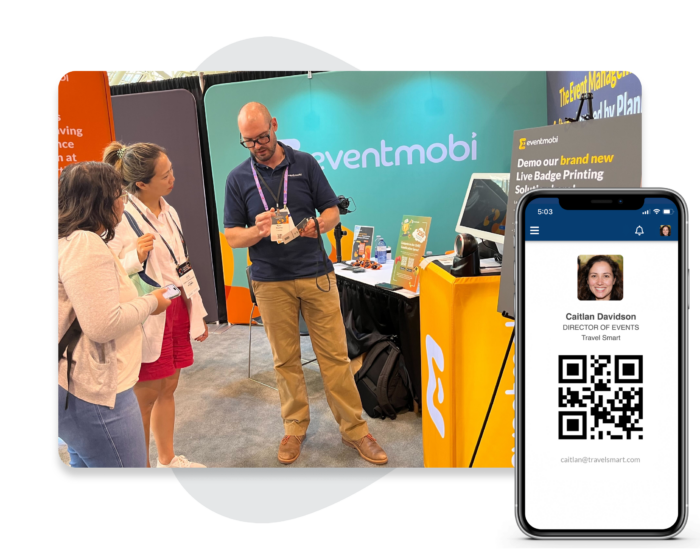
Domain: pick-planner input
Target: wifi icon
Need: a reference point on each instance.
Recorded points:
(656, 210)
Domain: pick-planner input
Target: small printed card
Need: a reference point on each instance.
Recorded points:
(362, 244)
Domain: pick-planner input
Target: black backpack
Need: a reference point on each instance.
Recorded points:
(383, 381)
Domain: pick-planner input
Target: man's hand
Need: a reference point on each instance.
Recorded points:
(310, 229)
(264, 223)
(144, 244)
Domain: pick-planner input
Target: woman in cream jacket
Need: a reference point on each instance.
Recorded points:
(150, 242)
(98, 414)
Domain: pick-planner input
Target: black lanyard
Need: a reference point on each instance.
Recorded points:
(182, 238)
(279, 190)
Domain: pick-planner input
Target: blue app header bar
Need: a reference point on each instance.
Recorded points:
(546, 220)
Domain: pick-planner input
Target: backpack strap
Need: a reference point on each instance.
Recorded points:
(67, 344)
(137, 230)
(372, 355)
(383, 381)
(406, 378)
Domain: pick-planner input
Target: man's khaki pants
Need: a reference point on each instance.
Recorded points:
(279, 304)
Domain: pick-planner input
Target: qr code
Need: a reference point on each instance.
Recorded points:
(601, 397)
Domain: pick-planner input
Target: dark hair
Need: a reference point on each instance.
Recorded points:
(135, 162)
(584, 292)
(662, 229)
(87, 192)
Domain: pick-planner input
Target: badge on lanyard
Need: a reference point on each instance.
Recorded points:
(184, 270)
(282, 224)
(188, 279)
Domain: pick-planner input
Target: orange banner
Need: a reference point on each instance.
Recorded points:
(85, 123)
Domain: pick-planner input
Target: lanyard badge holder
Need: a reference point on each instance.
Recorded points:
(283, 229)
(282, 222)
(184, 271)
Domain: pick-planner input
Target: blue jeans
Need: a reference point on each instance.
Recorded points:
(99, 436)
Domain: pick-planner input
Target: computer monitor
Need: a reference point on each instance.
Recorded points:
(484, 209)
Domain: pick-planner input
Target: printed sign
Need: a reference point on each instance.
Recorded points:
(362, 244)
(413, 239)
(615, 94)
(585, 154)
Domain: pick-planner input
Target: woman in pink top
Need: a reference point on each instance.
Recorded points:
(150, 240)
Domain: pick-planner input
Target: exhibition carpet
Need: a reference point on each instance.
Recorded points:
(224, 419)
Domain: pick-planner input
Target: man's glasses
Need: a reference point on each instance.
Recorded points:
(262, 139)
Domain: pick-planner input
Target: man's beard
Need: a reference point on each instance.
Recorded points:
(270, 152)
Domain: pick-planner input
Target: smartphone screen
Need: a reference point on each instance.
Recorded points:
(601, 378)
(171, 291)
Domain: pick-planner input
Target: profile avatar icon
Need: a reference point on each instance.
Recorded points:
(600, 278)
(665, 231)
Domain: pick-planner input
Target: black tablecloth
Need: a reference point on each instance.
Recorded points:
(370, 312)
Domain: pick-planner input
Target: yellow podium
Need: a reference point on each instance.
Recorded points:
(467, 372)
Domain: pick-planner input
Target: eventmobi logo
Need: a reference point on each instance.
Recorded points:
(389, 156)
(434, 354)
(524, 142)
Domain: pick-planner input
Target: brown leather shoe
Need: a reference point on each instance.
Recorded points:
(290, 449)
(369, 449)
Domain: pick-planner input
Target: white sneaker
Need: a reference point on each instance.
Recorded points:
(180, 462)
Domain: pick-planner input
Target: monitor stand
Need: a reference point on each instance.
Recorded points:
(488, 250)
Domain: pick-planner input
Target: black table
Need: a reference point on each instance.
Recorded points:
(369, 311)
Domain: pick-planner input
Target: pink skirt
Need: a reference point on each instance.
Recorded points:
(176, 352)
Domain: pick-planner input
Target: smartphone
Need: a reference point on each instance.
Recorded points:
(387, 286)
(172, 291)
(601, 336)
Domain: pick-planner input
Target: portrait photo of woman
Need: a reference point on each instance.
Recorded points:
(665, 231)
(600, 278)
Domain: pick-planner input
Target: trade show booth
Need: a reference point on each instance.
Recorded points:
(429, 166)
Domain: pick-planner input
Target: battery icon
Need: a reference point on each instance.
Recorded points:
(667, 210)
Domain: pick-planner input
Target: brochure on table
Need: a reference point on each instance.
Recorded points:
(362, 244)
(413, 239)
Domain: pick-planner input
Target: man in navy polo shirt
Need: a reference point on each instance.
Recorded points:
(280, 183)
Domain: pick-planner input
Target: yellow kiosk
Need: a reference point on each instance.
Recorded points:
(467, 372)
(467, 368)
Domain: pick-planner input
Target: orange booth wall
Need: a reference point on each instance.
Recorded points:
(85, 123)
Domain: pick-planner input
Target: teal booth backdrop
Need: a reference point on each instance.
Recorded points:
(395, 142)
